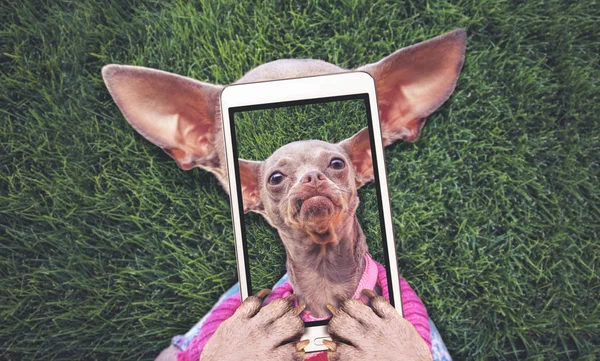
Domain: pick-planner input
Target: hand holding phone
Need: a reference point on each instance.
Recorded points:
(258, 333)
(377, 332)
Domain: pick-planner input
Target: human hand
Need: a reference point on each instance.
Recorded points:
(255, 333)
(378, 333)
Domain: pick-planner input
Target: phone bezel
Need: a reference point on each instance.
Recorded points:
(307, 89)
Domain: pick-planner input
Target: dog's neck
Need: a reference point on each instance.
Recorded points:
(328, 273)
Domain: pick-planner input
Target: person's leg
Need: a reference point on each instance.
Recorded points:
(438, 348)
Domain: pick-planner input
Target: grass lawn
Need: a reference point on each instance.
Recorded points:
(107, 249)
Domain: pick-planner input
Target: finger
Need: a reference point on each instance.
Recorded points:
(383, 308)
(277, 308)
(263, 293)
(345, 328)
(380, 305)
(369, 293)
(359, 311)
(251, 305)
(287, 327)
(291, 298)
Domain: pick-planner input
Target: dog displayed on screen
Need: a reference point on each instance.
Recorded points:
(307, 190)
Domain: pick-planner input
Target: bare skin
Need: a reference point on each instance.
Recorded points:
(181, 116)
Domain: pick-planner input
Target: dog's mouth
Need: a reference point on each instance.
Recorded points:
(315, 207)
(318, 214)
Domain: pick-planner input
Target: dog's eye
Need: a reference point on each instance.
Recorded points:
(337, 163)
(276, 178)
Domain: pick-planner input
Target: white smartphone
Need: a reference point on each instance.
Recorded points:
(264, 117)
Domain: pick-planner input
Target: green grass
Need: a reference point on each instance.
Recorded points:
(261, 132)
(107, 249)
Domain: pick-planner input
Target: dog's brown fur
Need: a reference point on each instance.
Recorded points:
(324, 242)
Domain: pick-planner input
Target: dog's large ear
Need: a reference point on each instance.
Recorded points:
(249, 175)
(358, 150)
(414, 81)
(176, 113)
(411, 84)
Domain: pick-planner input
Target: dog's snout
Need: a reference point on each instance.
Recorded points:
(313, 177)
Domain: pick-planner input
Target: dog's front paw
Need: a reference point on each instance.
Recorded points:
(378, 332)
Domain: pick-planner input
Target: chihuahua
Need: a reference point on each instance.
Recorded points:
(307, 190)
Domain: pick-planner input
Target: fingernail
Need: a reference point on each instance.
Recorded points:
(298, 310)
(332, 346)
(291, 298)
(301, 345)
(369, 293)
(332, 309)
(263, 293)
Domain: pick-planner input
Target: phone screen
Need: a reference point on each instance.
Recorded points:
(281, 136)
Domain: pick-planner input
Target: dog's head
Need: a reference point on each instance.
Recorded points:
(309, 187)
(306, 186)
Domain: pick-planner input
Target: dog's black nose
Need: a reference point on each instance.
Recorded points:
(313, 177)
